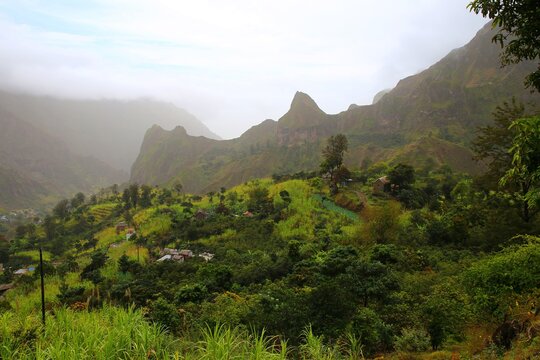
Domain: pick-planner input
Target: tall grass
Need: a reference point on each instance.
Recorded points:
(117, 333)
(222, 342)
(314, 348)
(110, 333)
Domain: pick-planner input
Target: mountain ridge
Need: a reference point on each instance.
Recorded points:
(109, 130)
(436, 111)
(37, 169)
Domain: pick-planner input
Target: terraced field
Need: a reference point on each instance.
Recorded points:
(102, 211)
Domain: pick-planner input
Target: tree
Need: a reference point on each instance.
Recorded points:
(525, 169)
(92, 271)
(126, 198)
(146, 196)
(124, 264)
(4, 250)
(134, 194)
(493, 141)
(178, 187)
(518, 23)
(401, 177)
(77, 200)
(61, 210)
(259, 201)
(496, 144)
(49, 226)
(333, 158)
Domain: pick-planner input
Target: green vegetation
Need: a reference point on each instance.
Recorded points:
(428, 120)
(410, 259)
(420, 270)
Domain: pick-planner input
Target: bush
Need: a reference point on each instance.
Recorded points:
(496, 281)
(370, 330)
(412, 340)
(164, 313)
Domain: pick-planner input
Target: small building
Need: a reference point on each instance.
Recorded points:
(178, 258)
(248, 213)
(186, 253)
(21, 272)
(121, 226)
(168, 251)
(206, 256)
(381, 185)
(164, 257)
(200, 214)
(175, 255)
(129, 233)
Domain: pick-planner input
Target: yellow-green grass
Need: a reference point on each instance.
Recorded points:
(101, 211)
(150, 221)
(109, 236)
(26, 300)
(34, 254)
(109, 333)
(128, 248)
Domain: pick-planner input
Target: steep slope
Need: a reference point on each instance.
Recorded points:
(109, 130)
(428, 118)
(456, 94)
(36, 168)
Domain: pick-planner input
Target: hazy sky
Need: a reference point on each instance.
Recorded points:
(232, 64)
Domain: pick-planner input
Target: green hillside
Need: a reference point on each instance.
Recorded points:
(435, 268)
(428, 117)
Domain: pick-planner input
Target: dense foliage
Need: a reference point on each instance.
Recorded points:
(414, 269)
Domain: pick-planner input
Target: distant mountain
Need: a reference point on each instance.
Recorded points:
(428, 118)
(109, 130)
(37, 169)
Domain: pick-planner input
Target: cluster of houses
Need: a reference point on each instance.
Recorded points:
(23, 214)
(181, 255)
(21, 271)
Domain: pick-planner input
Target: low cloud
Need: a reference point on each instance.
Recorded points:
(232, 64)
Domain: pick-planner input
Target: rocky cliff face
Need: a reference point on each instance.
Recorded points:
(429, 117)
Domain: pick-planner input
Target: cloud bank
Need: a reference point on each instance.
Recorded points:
(230, 63)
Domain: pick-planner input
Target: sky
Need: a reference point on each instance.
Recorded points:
(230, 63)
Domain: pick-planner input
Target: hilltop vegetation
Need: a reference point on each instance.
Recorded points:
(278, 268)
(428, 119)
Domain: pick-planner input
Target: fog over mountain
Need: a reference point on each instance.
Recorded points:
(109, 130)
(231, 65)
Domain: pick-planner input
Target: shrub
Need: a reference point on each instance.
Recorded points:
(412, 340)
(164, 313)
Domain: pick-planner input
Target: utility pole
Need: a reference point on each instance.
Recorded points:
(42, 286)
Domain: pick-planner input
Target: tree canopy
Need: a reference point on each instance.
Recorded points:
(333, 154)
(525, 168)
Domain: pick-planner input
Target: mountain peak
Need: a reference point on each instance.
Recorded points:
(302, 102)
